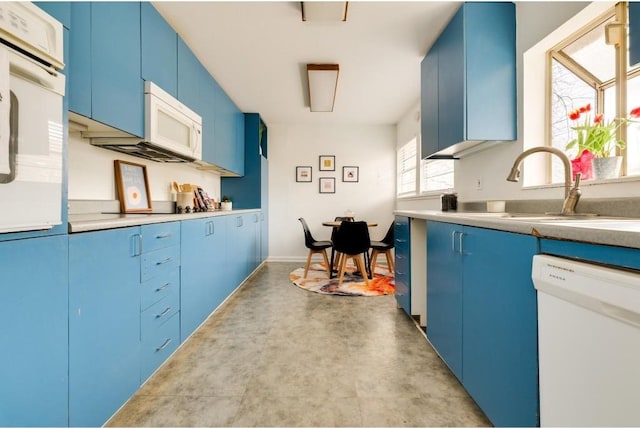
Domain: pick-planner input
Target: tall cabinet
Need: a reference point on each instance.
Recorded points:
(252, 190)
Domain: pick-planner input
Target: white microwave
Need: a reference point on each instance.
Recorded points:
(172, 131)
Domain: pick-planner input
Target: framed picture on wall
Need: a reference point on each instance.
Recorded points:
(350, 174)
(327, 185)
(303, 174)
(133, 187)
(327, 163)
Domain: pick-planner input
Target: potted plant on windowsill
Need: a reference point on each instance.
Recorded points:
(226, 204)
(596, 142)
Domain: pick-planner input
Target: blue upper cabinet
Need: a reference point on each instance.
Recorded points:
(429, 101)
(60, 10)
(229, 134)
(634, 33)
(117, 96)
(248, 191)
(105, 79)
(79, 65)
(159, 50)
(209, 90)
(469, 81)
(190, 79)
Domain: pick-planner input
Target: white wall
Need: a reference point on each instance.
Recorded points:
(91, 173)
(535, 20)
(370, 147)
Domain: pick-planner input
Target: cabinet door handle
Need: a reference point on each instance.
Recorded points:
(460, 242)
(453, 241)
(167, 285)
(164, 345)
(163, 313)
(167, 260)
(211, 228)
(163, 236)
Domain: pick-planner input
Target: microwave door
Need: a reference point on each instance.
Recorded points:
(5, 119)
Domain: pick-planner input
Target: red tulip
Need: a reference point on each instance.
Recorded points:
(585, 108)
(635, 112)
(574, 115)
(598, 118)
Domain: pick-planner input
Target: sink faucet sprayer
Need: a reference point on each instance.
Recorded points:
(571, 194)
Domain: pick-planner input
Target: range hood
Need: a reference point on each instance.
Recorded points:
(142, 149)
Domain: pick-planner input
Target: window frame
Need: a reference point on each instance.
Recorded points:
(619, 14)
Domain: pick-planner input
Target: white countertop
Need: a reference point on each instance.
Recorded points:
(618, 231)
(100, 221)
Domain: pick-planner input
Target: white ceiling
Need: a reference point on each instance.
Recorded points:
(258, 51)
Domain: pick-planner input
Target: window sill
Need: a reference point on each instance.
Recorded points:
(423, 196)
(588, 183)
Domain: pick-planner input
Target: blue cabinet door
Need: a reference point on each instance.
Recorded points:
(204, 282)
(79, 67)
(451, 84)
(250, 190)
(403, 262)
(490, 71)
(634, 33)
(117, 96)
(429, 101)
(104, 323)
(34, 333)
(499, 334)
(209, 91)
(159, 50)
(444, 293)
(229, 130)
(189, 79)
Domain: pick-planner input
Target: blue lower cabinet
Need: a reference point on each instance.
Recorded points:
(205, 273)
(104, 323)
(34, 334)
(403, 263)
(160, 335)
(499, 334)
(482, 317)
(444, 293)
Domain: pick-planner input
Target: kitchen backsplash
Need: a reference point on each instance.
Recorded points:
(91, 173)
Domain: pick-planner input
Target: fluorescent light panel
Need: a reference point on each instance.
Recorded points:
(323, 82)
(324, 11)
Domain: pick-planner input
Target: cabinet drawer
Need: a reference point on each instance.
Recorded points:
(156, 315)
(160, 288)
(160, 235)
(159, 345)
(159, 263)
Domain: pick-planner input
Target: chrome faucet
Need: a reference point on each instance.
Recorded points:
(571, 194)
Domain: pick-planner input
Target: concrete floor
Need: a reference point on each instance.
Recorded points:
(277, 355)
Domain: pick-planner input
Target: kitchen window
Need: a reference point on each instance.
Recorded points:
(581, 71)
(419, 177)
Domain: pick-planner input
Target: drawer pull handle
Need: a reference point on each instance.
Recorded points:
(164, 235)
(167, 260)
(163, 313)
(167, 285)
(164, 345)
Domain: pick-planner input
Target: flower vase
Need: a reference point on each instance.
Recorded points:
(604, 168)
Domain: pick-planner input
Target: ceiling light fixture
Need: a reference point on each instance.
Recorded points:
(324, 11)
(323, 83)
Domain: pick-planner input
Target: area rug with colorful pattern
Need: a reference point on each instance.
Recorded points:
(352, 285)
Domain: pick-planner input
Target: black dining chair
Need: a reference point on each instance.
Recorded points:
(314, 247)
(352, 242)
(383, 247)
(335, 257)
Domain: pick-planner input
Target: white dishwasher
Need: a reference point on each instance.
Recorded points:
(588, 343)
